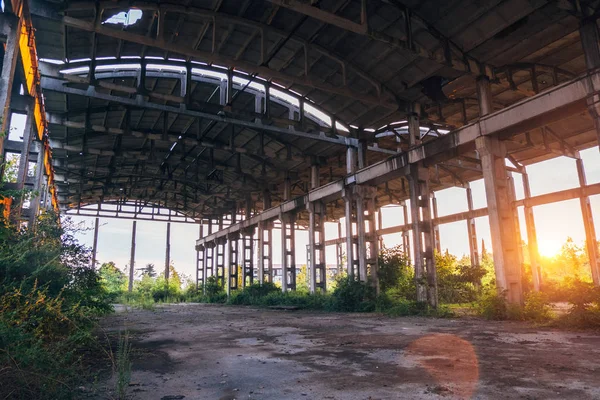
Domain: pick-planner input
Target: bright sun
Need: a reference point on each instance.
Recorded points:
(548, 248)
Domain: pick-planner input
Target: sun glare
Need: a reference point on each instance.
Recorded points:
(549, 248)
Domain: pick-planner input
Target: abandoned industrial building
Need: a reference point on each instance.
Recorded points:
(249, 117)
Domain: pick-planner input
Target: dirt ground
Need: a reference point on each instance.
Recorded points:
(198, 351)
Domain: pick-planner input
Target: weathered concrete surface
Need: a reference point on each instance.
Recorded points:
(219, 352)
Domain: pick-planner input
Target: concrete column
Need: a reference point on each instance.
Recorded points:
(38, 183)
(232, 257)
(168, 251)
(500, 201)
(220, 260)
(316, 246)
(348, 206)
(199, 257)
(314, 176)
(424, 262)
(95, 243)
(532, 243)
(414, 131)
(484, 94)
(232, 260)
(248, 256)
(261, 252)
(588, 223)
(28, 136)
(351, 156)
(380, 226)
(207, 255)
(471, 230)
(132, 258)
(288, 252)
(362, 154)
(373, 239)
(362, 237)
(338, 249)
(287, 189)
(312, 251)
(406, 233)
(11, 27)
(436, 229)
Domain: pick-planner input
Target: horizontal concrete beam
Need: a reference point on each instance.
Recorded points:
(555, 104)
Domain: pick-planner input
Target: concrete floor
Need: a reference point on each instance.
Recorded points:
(219, 352)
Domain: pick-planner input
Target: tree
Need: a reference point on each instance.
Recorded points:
(148, 270)
(112, 278)
(393, 267)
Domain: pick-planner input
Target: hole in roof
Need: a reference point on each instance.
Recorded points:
(125, 18)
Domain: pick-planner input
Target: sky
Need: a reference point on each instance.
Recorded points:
(554, 222)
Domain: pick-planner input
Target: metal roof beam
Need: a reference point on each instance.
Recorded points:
(59, 86)
(44, 11)
(463, 63)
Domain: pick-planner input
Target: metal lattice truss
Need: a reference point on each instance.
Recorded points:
(203, 105)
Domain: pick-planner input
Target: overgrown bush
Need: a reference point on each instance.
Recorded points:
(253, 294)
(536, 307)
(214, 291)
(49, 296)
(352, 295)
(492, 305)
(584, 298)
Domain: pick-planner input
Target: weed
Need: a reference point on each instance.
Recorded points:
(123, 365)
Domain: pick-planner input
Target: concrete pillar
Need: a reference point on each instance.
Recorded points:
(532, 243)
(316, 245)
(506, 242)
(38, 183)
(248, 256)
(380, 226)
(351, 156)
(199, 258)
(314, 176)
(288, 252)
(28, 137)
(287, 189)
(260, 233)
(406, 233)
(424, 262)
(11, 27)
(220, 260)
(338, 249)
(168, 251)
(484, 94)
(372, 239)
(132, 257)
(436, 229)
(414, 131)
(207, 264)
(232, 260)
(362, 237)
(471, 230)
(588, 223)
(95, 243)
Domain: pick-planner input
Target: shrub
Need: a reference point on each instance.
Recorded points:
(352, 295)
(213, 291)
(584, 298)
(492, 305)
(536, 307)
(252, 294)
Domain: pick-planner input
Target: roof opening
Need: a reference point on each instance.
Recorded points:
(125, 18)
